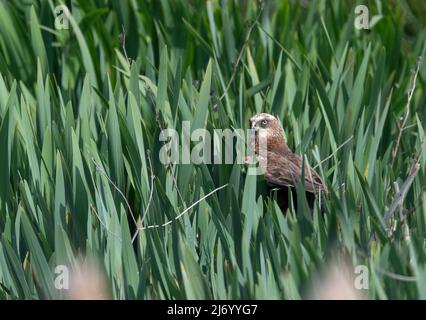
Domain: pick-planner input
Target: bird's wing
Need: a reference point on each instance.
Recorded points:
(286, 170)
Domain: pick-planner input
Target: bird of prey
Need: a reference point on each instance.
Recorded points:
(282, 168)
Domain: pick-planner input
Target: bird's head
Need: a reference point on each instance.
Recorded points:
(266, 124)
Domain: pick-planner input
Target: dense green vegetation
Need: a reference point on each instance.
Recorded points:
(81, 110)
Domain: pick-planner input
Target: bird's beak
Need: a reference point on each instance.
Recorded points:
(253, 125)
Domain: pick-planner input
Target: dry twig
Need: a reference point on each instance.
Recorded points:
(102, 171)
(400, 195)
(334, 152)
(186, 210)
(407, 110)
(396, 276)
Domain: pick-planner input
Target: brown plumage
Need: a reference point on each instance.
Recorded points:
(282, 168)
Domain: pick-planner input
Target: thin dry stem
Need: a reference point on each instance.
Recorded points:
(407, 110)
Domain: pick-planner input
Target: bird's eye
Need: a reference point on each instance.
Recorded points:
(264, 122)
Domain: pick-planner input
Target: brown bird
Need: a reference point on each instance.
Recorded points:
(281, 167)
